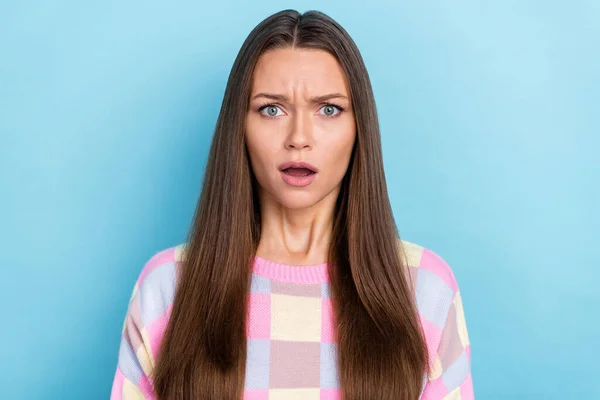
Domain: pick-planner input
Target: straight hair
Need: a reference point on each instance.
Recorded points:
(382, 352)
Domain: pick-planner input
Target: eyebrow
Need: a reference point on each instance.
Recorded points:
(314, 100)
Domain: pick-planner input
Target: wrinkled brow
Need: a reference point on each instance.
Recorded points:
(314, 100)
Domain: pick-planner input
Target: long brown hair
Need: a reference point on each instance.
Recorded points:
(381, 349)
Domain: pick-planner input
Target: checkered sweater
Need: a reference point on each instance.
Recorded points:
(291, 350)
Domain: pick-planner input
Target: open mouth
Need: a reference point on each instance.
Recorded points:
(299, 172)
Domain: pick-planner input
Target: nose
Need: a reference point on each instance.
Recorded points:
(301, 132)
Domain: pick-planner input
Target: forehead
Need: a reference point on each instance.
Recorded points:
(315, 71)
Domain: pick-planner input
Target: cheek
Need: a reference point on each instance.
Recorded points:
(253, 142)
(261, 156)
(257, 136)
(339, 147)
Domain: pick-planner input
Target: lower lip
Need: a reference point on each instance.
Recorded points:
(298, 181)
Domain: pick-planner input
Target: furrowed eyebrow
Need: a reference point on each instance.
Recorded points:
(314, 100)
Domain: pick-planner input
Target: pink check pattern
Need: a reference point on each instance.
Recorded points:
(291, 347)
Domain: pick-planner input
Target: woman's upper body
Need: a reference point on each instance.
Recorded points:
(295, 176)
(291, 346)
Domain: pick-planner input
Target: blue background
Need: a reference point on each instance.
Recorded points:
(490, 124)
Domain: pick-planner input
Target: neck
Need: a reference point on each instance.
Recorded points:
(299, 236)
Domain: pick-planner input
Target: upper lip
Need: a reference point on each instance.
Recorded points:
(297, 164)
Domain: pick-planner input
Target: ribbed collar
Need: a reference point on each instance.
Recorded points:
(316, 273)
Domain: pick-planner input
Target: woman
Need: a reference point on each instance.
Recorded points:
(293, 283)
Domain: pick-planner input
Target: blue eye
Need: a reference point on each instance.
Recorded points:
(331, 108)
(272, 110)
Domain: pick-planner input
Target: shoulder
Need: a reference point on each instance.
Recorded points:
(155, 285)
(420, 258)
(434, 284)
(159, 261)
(436, 291)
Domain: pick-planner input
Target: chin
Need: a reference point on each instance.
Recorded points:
(297, 201)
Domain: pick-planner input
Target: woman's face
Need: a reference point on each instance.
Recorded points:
(290, 119)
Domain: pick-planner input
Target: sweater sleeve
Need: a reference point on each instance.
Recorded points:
(135, 361)
(450, 376)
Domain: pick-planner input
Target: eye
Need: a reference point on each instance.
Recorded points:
(330, 109)
(271, 110)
